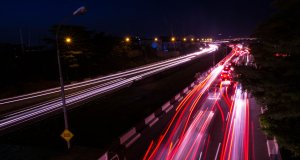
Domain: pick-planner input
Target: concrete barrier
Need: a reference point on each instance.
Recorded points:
(127, 135)
(153, 122)
(192, 85)
(177, 97)
(132, 140)
(149, 118)
(166, 105)
(169, 108)
(104, 156)
(185, 90)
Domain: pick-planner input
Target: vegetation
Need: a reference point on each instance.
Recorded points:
(275, 81)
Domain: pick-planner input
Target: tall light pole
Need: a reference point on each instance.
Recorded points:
(214, 58)
(79, 11)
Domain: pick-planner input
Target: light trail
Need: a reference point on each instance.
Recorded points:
(98, 86)
(236, 138)
(124, 74)
(187, 135)
(188, 131)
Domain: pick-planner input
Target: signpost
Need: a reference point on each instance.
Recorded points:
(67, 135)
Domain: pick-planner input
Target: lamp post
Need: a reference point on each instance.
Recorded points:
(214, 59)
(79, 11)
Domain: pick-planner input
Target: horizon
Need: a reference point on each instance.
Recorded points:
(146, 19)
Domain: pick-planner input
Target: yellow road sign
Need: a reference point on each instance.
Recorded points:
(67, 135)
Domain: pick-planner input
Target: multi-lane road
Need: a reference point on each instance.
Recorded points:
(39, 104)
(213, 121)
(186, 136)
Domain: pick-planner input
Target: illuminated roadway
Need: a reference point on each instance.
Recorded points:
(212, 121)
(83, 91)
(188, 131)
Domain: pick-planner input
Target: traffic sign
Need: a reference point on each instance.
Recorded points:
(67, 135)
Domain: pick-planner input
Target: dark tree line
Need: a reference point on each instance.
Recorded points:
(275, 81)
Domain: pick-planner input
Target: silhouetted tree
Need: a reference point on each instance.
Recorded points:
(275, 82)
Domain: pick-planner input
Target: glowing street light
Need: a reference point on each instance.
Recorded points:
(155, 39)
(68, 40)
(127, 39)
(184, 39)
(173, 39)
(192, 39)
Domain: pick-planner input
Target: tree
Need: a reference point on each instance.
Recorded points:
(275, 82)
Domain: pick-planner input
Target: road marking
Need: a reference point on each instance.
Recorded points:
(200, 156)
(216, 157)
(227, 116)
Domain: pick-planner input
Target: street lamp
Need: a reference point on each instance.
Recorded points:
(155, 39)
(68, 40)
(173, 39)
(79, 11)
(127, 39)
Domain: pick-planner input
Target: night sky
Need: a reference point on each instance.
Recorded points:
(134, 17)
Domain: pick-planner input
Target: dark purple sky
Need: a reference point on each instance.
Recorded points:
(140, 17)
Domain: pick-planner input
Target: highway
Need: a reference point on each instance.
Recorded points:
(213, 121)
(236, 138)
(141, 71)
(196, 128)
(186, 135)
(81, 92)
